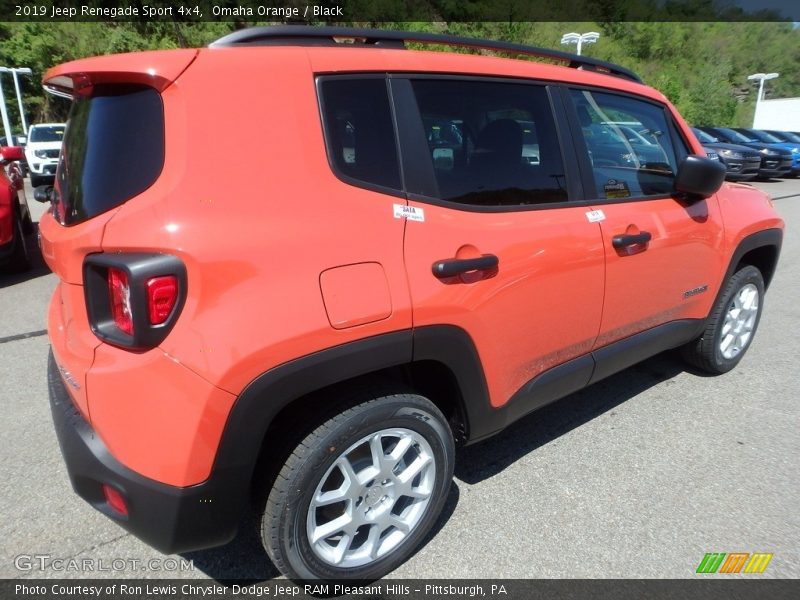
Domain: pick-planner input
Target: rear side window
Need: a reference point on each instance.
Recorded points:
(629, 144)
(491, 143)
(113, 150)
(359, 132)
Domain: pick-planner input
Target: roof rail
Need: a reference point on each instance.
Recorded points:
(284, 35)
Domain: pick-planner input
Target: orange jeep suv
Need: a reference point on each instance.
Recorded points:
(418, 249)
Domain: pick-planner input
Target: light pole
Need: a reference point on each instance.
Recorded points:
(24, 71)
(580, 38)
(14, 71)
(4, 114)
(761, 78)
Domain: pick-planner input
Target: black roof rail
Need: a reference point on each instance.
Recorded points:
(308, 35)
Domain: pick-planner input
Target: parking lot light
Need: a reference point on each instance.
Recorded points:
(14, 72)
(761, 78)
(579, 39)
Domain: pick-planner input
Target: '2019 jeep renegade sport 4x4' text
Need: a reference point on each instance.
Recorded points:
(422, 248)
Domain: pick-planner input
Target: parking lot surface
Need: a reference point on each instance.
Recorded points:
(639, 476)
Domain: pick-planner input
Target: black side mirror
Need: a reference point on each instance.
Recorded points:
(699, 177)
(43, 193)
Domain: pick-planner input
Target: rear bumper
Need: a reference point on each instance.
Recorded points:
(171, 519)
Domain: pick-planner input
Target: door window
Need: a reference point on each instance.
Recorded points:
(629, 144)
(491, 143)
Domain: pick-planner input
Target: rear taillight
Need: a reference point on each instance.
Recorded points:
(133, 300)
(162, 294)
(120, 299)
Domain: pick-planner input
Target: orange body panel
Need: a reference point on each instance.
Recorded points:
(155, 416)
(72, 340)
(541, 308)
(645, 286)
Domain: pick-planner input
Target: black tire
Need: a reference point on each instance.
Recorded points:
(28, 226)
(20, 259)
(285, 523)
(705, 352)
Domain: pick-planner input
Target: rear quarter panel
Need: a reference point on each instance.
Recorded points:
(248, 201)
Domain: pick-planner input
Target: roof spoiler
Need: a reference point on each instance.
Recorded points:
(156, 69)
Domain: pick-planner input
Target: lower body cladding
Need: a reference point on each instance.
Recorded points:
(170, 519)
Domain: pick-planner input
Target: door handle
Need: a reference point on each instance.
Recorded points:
(623, 241)
(456, 266)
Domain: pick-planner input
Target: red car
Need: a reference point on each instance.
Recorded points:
(15, 217)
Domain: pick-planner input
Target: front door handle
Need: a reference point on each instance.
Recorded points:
(456, 266)
(623, 241)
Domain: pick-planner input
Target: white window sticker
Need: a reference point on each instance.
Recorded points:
(595, 216)
(410, 213)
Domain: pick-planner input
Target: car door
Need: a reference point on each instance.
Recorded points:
(661, 251)
(493, 244)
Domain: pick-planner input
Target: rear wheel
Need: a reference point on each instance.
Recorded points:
(731, 325)
(360, 492)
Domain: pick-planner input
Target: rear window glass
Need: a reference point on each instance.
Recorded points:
(359, 132)
(47, 134)
(113, 150)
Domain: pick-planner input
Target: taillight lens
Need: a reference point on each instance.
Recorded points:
(115, 500)
(162, 294)
(120, 298)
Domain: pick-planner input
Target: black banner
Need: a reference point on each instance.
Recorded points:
(713, 588)
(372, 11)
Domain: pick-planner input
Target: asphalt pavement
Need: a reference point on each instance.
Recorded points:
(638, 476)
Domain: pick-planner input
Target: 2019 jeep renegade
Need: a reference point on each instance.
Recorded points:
(421, 248)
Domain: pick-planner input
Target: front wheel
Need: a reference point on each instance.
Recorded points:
(731, 325)
(360, 492)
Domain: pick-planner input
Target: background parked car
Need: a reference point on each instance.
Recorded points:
(775, 161)
(42, 150)
(786, 136)
(742, 163)
(767, 137)
(15, 217)
(21, 141)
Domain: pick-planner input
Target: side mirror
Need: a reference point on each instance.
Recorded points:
(12, 153)
(699, 177)
(43, 193)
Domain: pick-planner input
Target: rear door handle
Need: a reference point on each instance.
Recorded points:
(623, 241)
(457, 266)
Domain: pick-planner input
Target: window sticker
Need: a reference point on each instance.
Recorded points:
(595, 216)
(410, 213)
(616, 189)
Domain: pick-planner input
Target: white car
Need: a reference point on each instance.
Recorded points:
(42, 150)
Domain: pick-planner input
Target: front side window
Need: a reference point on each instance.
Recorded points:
(359, 132)
(491, 143)
(629, 144)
